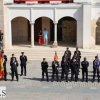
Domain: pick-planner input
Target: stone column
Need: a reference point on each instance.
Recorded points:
(87, 26)
(32, 34)
(55, 36)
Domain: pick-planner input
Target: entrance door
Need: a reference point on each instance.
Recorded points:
(37, 28)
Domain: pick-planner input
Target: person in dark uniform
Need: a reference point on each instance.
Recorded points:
(66, 55)
(11, 60)
(4, 65)
(85, 65)
(75, 52)
(55, 68)
(65, 69)
(44, 65)
(96, 64)
(69, 52)
(14, 65)
(23, 60)
(74, 70)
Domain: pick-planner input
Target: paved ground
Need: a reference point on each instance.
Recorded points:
(31, 87)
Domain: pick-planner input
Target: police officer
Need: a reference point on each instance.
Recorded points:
(85, 65)
(44, 66)
(11, 60)
(55, 68)
(14, 65)
(66, 56)
(79, 53)
(69, 52)
(4, 65)
(23, 60)
(96, 64)
(65, 69)
(74, 70)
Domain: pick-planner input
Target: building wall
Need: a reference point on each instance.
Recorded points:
(19, 30)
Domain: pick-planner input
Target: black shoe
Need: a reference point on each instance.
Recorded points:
(25, 75)
(82, 80)
(17, 80)
(66, 80)
(47, 80)
(42, 79)
(93, 81)
(52, 80)
(12, 80)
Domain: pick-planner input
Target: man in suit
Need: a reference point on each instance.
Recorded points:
(74, 70)
(14, 65)
(23, 60)
(85, 65)
(44, 66)
(55, 68)
(4, 65)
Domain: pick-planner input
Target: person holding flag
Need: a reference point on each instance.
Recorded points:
(96, 64)
(1, 66)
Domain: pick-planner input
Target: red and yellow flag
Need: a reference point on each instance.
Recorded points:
(1, 67)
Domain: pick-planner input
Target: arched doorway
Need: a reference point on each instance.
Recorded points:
(21, 33)
(67, 30)
(40, 24)
(98, 32)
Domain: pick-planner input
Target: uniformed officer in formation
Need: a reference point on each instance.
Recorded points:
(4, 65)
(65, 69)
(55, 68)
(44, 67)
(85, 65)
(14, 65)
(96, 64)
(69, 52)
(23, 60)
(74, 69)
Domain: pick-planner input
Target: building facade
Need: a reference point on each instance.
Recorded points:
(74, 21)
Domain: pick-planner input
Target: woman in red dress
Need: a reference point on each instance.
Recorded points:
(1, 67)
(40, 39)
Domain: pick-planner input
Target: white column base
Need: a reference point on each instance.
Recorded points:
(55, 44)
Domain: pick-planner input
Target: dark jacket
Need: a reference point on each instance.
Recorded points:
(14, 65)
(65, 65)
(55, 65)
(44, 65)
(5, 60)
(23, 60)
(74, 66)
(84, 65)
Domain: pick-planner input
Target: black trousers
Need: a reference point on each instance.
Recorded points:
(23, 67)
(94, 73)
(46, 72)
(64, 71)
(74, 72)
(83, 72)
(16, 74)
(5, 74)
(55, 72)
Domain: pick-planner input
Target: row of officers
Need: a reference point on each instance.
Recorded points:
(73, 64)
(66, 64)
(14, 64)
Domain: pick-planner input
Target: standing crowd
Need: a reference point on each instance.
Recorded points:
(70, 63)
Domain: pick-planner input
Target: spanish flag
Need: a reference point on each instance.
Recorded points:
(1, 67)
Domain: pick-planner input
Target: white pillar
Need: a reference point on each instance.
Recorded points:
(87, 26)
(32, 34)
(55, 35)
